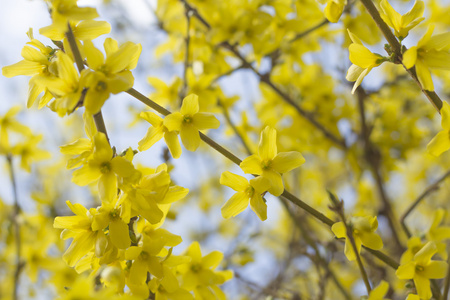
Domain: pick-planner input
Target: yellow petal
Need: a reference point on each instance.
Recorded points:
(173, 121)
(125, 57)
(360, 79)
(107, 187)
(437, 60)
(390, 16)
(236, 182)
(138, 271)
(85, 175)
(119, 234)
(66, 68)
(133, 253)
(171, 139)
(435, 270)
(276, 183)
(354, 72)
(252, 165)
(380, 291)
(445, 115)
(122, 167)
(371, 240)
(260, 184)
(423, 257)
(151, 117)
(424, 76)
(111, 46)
(439, 144)
(212, 260)
(267, 148)
(286, 161)
(235, 205)
(439, 42)
(410, 57)
(333, 11)
(94, 56)
(348, 249)
(361, 56)
(423, 287)
(205, 121)
(190, 105)
(153, 135)
(90, 29)
(190, 137)
(406, 271)
(354, 38)
(258, 205)
(339, 230)
(23, 67)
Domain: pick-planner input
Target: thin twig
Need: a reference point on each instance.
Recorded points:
(373, 158)
(188, 14)
(339, 209)
(98, 117)
(433, 187)
(397, 49)
(15, 220)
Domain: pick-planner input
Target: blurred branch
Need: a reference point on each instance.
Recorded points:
(15, 221)
(433, 187)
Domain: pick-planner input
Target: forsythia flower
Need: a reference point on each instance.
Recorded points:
(379, 292)
(363, 61)
(421, 269)
(402, 24)
(441, 142)
(156, 132)
(199, 275)
(269, 163)
(430, 53)
(111, 74)
(102, 166)
(189, 121)
(247, 192)
(363, 234)
(8, 123)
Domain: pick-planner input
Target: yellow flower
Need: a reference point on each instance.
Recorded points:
(111, 74)
(379, 292)
(363, 61)
(430, 53)
(102, 166)
(36, 63)
(189, 121)
(29, 152)
(402, 24)
(247, 192)
(441, 142)
(84, 30)
(269, 163)
(8, 123)
(199, 274)
(156, 132)
(421, 269)
(334, 9)
(363, 234)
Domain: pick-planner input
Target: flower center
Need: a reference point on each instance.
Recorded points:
(101, 86)
(105, 168)
(419, 268)
(187, 119)
(196, 268)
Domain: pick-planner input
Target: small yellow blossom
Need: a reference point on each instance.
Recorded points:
(421, 269)
(441, 142)
(379, 292)
(247, 192)
(189, 121)
(363, 234)
(156, 132)
(269, 163)
(363, 61)
(430, 53)
(402, 24)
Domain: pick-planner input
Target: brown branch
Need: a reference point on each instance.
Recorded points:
(433, 187)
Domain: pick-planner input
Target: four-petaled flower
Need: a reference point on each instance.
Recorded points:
(189, 121)
(402, 24)
(269, 163)
(247, 192)
(363, 234)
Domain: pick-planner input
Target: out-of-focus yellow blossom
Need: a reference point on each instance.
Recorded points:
(379, 292)
(413, 297)
(421, 269)
(363, 61)
(199, 274)
(402, 24)
(269, 163)
(363, 234)
(247, 192)
(29, 152)
(102, 166)
(9, 123)
(334, 9)
(165, 94)
(189, 121)
(441, 142)
(156, 132)
(430, 53)
(111, 74)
